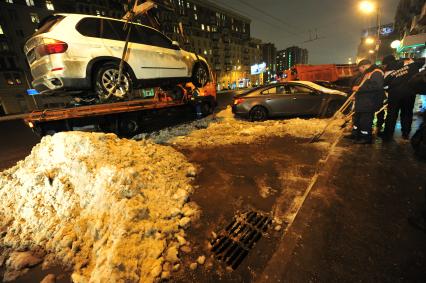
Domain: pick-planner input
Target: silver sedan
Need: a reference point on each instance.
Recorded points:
(291, 99)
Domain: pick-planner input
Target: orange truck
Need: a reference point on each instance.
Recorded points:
(329, 72)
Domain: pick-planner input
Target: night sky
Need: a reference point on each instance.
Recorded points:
(287, 22)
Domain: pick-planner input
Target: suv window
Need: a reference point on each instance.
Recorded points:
(89, 27)
(47, 23)
(138, 35)
(113, 30)
(157, 39)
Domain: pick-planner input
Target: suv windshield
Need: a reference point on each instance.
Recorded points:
(47, 23)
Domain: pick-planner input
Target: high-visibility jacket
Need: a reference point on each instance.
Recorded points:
(370, 95)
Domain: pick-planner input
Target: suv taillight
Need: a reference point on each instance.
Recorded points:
(51, 46)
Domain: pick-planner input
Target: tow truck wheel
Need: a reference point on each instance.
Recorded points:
(106, 86)
(200, 75)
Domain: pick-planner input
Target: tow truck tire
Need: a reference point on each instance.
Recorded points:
(200, 75)
(104, 82)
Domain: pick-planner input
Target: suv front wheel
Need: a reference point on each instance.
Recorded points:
(106, 82)
(200, 75)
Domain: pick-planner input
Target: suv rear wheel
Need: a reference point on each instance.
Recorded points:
(200, 75)
(106, 82)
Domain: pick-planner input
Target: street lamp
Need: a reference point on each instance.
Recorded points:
(367, 7)
(395, 44)
(370, 41)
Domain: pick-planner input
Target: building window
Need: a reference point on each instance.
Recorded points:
(20, 32)
(202, 26)
(188, 5)
(196, 17)
(49, 5)
(1, 30)
(30, 2)
(9, 1)
(12, 63)
(17, 78)
(8, 78)
(195, 7)
(34, 18)
(3, 65)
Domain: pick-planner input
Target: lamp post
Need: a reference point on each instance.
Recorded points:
(369, 7)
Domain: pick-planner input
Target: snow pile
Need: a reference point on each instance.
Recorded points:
(224, 130)
(112, 209)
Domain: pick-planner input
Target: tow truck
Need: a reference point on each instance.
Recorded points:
(126, 117)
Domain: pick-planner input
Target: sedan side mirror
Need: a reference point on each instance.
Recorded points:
(176, 45)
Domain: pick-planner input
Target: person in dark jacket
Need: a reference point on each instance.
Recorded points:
(401, 96)
(368, 98)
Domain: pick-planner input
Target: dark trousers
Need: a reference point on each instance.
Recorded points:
(363, 124)
(397, 103)
(380, 120)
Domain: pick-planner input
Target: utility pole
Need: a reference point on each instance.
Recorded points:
(378, 43)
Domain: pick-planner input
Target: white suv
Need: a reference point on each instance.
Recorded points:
(82, 52)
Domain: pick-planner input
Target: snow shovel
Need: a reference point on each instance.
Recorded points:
(341, 110)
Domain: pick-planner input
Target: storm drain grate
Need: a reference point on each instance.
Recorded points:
(234, 242)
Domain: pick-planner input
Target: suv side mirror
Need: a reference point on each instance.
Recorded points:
(176, 45)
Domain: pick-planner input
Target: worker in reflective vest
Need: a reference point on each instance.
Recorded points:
(401, 96)
(369, 96)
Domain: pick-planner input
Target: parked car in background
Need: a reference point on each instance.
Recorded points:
(78, 52)
(297, 98)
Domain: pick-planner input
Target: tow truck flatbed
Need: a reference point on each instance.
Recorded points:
(125, 118)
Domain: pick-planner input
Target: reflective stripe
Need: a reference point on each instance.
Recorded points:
(364, 132)
(368, 76)
(355, 127)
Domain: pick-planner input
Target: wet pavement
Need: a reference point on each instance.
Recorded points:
(264, 177)
(353, 227)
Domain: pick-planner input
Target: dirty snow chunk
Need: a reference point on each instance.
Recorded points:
(201, 260)
(12, 275)
(99, 204)
(222, 130)
(50, 278)
(193, 266)
(20, 260)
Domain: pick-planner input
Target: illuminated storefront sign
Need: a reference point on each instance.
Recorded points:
(258, 69)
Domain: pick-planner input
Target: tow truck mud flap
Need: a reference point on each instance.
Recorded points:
(234, 242)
